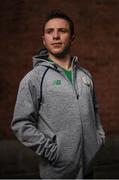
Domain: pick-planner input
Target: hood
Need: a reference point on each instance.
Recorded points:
(41, 58)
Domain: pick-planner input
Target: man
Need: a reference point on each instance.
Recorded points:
(56, 109)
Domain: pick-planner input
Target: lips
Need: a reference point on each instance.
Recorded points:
(57, 43)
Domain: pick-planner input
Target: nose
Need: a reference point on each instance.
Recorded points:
(56, 35)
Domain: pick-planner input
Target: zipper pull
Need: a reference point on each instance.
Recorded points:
(77, 96)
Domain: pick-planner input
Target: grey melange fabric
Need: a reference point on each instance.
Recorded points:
(65, 131)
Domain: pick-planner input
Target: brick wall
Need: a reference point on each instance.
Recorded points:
(96, 23)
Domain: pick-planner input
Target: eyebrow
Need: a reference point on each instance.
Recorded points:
(50, 29)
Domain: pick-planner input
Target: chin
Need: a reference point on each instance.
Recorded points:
(59, 53)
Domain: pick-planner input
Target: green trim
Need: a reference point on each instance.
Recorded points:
(68, 74)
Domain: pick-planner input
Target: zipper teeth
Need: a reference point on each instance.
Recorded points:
(75, 84)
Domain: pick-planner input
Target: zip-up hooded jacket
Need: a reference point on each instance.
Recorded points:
(58, 119)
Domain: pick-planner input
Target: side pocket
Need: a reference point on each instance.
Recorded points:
(56, 152)
(57, 160)
(99, 139)
(49, 148)
(65, 152)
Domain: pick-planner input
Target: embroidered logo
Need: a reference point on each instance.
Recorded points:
(85, 80)
(57, 82)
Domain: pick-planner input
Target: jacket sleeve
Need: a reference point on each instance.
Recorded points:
(24, 123)
(100, 130)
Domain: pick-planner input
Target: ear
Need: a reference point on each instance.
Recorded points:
(43, 40)
(73, 37)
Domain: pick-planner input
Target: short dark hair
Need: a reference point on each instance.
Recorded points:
(58, 14)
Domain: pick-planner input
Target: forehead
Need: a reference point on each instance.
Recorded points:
(57, 23)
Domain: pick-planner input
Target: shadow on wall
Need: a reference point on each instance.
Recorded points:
(16, 161)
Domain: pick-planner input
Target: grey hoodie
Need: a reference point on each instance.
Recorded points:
(57, 119)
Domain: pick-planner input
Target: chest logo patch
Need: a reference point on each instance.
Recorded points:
(57, 82)
(85, 80)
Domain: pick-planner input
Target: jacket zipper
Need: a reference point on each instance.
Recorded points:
(72, 85)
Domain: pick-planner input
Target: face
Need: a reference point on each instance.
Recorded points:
(57, 37)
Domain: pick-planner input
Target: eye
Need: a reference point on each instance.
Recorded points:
(63, 30)
(49, 31)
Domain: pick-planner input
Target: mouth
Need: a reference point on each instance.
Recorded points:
(57, 43)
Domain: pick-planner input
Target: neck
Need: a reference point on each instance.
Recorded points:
(64, 62)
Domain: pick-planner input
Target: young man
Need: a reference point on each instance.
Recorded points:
(56, 109)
